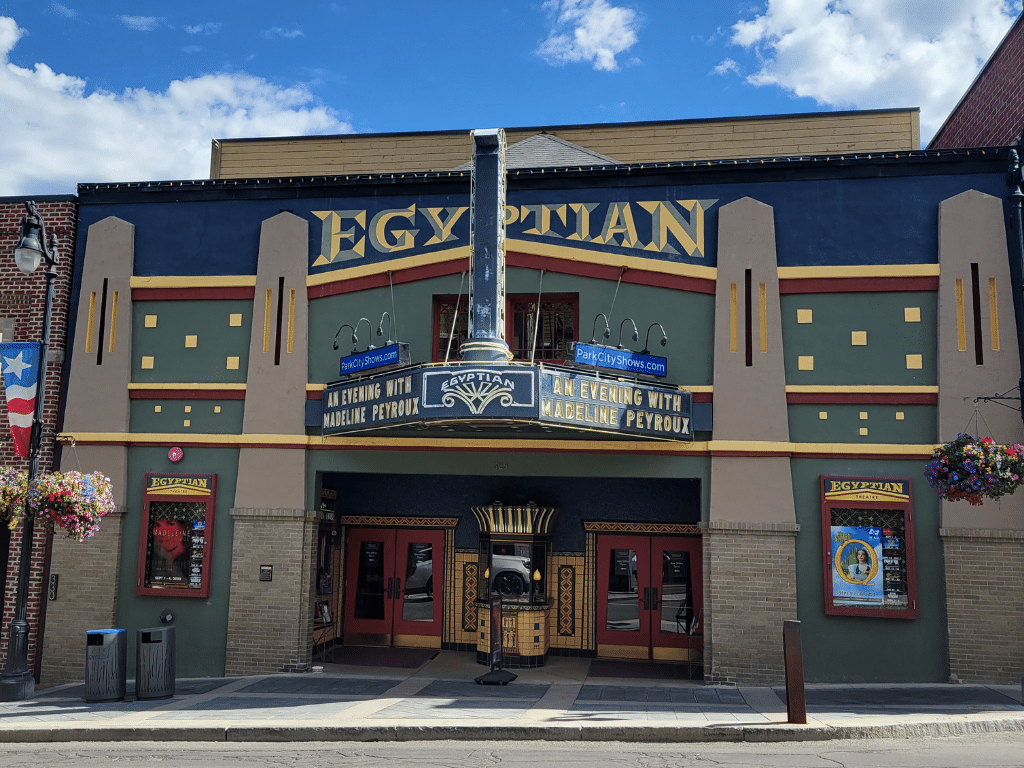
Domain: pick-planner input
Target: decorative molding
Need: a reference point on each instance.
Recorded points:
(566, 601)
(382, 521)
(529, 519)
(469, 592)
(659, 529)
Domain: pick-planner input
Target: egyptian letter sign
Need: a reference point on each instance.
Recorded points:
(588, 402)
(489, 392)
(615, 359)
(372, 402)
(375, 359)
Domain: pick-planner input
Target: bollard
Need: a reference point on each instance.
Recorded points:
(796, 699)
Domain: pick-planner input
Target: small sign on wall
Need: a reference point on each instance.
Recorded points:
(266, 573)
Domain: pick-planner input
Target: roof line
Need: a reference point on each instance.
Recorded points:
(542, 128)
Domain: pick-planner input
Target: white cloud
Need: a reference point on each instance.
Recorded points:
(209, 28)
(872, 54)
(142, 23)
(589, 30)
(73, 134)
(63, 10)
(726, 66)
(282, 32)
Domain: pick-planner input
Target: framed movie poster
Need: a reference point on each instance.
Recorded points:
(868, 547)
(176, 539)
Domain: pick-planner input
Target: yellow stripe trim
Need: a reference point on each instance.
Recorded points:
(961, 327)
(732, 317)
(153, 387)
(92, 321)
(993, 313)
(189, 281)
(113, 321)
(611, 259)
(266, 321)
(291, 321)
(383, 267)
(468, 444)
(864, 389)
(763, 298)
(863, 270)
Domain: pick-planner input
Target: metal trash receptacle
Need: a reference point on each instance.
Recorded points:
(106, 653)
(154, 663)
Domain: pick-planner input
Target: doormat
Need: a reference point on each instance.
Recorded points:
(645, 670)
(370, 656)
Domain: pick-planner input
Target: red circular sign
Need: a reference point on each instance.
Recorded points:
(175, 454)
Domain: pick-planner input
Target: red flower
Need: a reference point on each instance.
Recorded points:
(987, 440)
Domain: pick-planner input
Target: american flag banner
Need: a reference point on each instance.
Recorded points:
(21, 386)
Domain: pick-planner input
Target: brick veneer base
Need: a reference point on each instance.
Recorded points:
(750, 589)
(985, 604)
(86, 598)
(270, 623)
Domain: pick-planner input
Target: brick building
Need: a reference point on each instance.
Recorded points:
(829, 319)
(21, 316)
(991, 112)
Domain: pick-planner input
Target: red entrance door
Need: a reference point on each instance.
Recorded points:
(394, 587)
(649, 597)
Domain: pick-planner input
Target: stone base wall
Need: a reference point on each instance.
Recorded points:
(86, 598)
(749, 590)
(985, 604)
(270, 623)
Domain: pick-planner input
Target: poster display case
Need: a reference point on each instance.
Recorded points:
(176, 542)
(868, 547)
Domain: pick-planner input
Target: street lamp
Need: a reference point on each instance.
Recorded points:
(17, 682)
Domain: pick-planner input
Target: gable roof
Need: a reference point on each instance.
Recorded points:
(542, 150)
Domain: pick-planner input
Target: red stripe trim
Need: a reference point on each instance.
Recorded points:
(409, 275)
(854, 398)
(608, 272)
(186, 394)
(244, 292)
(857, 284)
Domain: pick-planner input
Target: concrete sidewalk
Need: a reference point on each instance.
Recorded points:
(559, 702)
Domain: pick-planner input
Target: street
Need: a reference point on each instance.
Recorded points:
(987, 751)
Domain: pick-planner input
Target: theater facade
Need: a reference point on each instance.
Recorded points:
(655, 409)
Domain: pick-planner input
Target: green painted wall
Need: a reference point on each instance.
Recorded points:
(844, 422)
(851, 649)
(216, 340)
(203, 416)
(685, 317)
(890, 338)
(200, 625)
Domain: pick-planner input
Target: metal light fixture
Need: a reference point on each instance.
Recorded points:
(17, 682)
(647, 341)
(607, 328)
(636, 333)
(355, 339)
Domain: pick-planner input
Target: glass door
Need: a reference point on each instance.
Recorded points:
(649, 597)
(394, 588)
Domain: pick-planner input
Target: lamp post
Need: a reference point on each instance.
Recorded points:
(16, 681)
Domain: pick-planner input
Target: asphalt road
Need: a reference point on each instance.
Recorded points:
(989, 751)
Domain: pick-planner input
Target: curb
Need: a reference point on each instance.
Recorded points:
(782, 732)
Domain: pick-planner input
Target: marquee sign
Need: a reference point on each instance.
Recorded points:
(526, 393)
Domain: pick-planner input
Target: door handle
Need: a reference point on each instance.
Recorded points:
(391, 589)
(398, 588)
(654, 600)
(647, 598)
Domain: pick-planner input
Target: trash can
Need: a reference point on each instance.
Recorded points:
(106, 651)
(154, 663)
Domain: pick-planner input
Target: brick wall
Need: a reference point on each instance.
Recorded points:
(985, 604)
(86, 598)
(991, 113)
(270, 623)
(22, 299)
(750, 589)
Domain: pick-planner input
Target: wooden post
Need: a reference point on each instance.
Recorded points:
(796, 699)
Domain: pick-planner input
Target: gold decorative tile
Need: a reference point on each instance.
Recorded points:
(232, 364)
(147, 362)
(823, 415)
(188, 409)
(235, 320)
(805, 315)
(191, 341)
(863, 415)
(805, 362)
(157, 408)
(912, 314)
(900, 416)
(863, 431)
(150, 321)
(188, 423)
(914, 362)
(216, 409)
(859, 338)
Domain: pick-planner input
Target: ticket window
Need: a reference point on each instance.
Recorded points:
(514, 569)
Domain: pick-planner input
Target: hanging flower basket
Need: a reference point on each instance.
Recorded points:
(13, 489)
(969, 469)
(71, 501)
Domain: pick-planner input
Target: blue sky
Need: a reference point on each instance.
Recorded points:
(108, 91)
